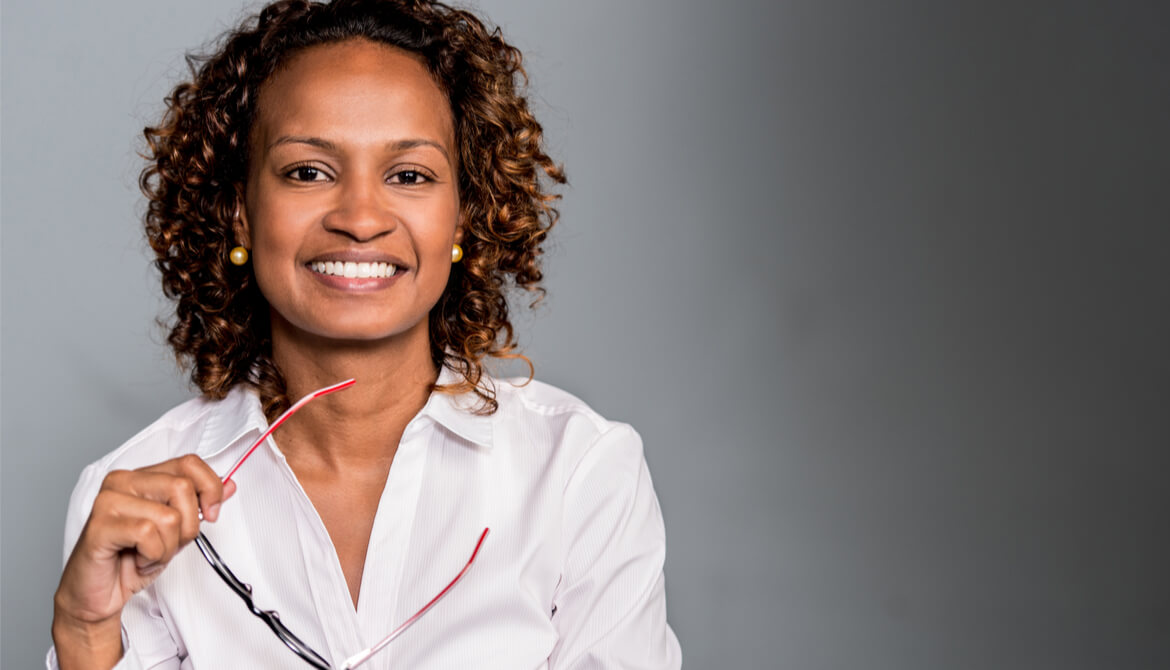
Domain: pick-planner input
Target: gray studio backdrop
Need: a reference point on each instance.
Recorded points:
(883, 285)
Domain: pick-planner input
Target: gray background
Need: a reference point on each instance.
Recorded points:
(883, 285)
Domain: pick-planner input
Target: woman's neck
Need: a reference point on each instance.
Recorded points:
(359, 428)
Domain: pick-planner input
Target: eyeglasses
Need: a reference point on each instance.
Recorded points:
(270, 617)
(298, 646)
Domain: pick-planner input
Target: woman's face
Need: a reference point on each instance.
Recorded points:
(352, 202)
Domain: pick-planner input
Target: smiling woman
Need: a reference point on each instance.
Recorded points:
(352, 164)
(346, 191)
(207, 151)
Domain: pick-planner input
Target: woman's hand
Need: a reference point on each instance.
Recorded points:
(140, 520)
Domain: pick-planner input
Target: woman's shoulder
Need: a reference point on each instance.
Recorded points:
(556, 419)
(523, 399)
(184, 429)
(534, 396)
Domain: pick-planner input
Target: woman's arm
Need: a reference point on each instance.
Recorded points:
(611, 603)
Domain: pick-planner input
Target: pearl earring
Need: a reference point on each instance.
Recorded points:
(238, 256)
(456, 253)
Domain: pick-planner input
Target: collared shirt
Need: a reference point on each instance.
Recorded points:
(570, 576)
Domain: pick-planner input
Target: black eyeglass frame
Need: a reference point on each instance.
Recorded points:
(269, 617)
(298, 646)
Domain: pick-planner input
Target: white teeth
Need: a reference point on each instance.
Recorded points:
(353, 270)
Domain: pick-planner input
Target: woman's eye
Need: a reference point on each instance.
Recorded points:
(306, 173)
(409, 177)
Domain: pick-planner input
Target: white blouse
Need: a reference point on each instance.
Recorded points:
(570, 576)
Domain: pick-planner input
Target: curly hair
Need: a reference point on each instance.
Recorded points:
(196, 174)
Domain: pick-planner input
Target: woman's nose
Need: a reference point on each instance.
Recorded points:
(362, 212)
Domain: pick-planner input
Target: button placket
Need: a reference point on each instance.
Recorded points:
(330, 593)
(390, 539)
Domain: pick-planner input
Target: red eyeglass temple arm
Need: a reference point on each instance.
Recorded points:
(282, 418)
(361, 657)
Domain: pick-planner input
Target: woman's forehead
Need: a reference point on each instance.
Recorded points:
(354, 91)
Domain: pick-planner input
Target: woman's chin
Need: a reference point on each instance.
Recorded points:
(346, 331)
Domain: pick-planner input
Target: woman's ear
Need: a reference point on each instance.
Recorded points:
(241, 229)
(459, 226)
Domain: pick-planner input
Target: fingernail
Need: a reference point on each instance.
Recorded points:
(213, 512)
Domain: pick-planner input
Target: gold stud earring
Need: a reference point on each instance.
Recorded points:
(456, 253)
(238, 256)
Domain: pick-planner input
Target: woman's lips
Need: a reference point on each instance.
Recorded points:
(355, 276)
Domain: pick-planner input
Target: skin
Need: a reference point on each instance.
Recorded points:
(352, 157)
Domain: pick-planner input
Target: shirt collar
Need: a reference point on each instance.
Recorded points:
(239, 419)
(456, 413)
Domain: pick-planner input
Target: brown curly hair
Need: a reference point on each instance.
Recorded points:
(197, 165)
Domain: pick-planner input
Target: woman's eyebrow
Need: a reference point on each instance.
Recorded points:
(404, 145)
(296, 139)
(397, 145)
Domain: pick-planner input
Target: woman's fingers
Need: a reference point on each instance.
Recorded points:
(153, 530)
(187, 489)
(229, 490)
(209, 490)
(176, 494)
(208, 486)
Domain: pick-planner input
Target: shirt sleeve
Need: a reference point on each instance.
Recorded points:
(611, 602)
(129, 660)
(151, 646)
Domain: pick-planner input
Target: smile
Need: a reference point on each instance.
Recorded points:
(352, 270)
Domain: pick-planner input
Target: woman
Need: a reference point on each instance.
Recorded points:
(346, 191)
